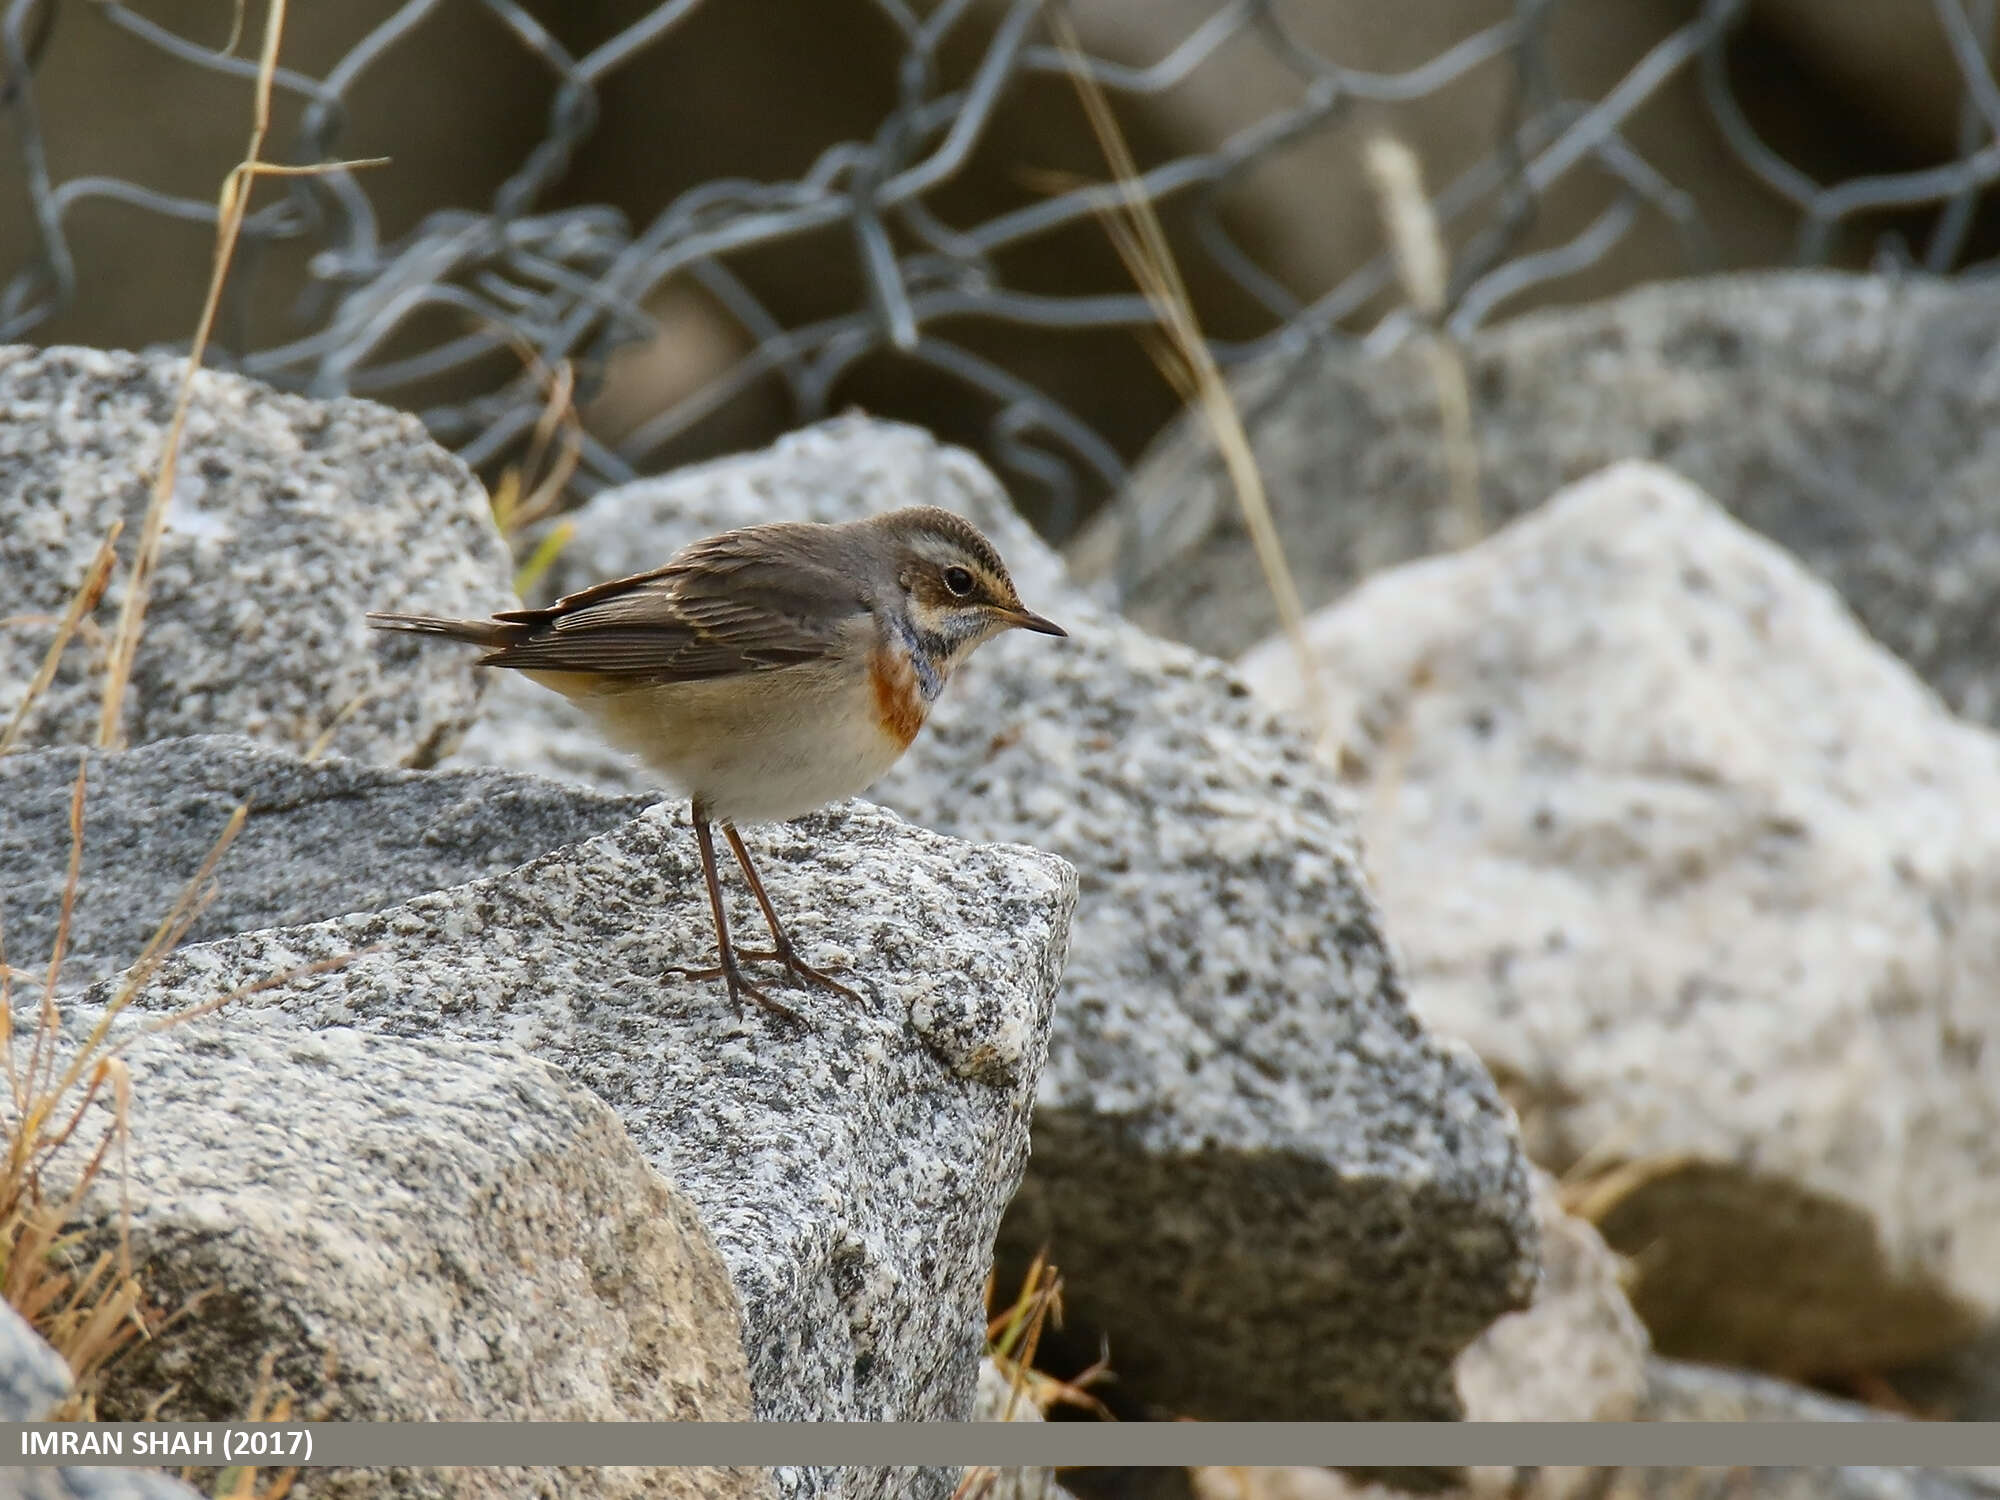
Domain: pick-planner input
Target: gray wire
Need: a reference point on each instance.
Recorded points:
(575, 282)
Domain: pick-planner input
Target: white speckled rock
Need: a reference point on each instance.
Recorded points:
(1274, 1192)
(417, 1231)
(852, 1170)
(291, 519)
(1723, 898)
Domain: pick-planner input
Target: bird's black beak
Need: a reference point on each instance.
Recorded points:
(1028, 620)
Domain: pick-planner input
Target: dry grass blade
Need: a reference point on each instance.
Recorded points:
(233, 205)
(81, 603)
(91, 1316)
(39, 1146)
(238, 14)
(8, 975)
(531, 489)
(166, 937)
(325, 737)
(539, 561)
(1142, 244)
(88, 1318)
(1423, 265)
(259, 986)
(269, 1402)
(556, 427)
(1014, 1335)
(1593, 1199)
(36, 1092)
(45, 1026)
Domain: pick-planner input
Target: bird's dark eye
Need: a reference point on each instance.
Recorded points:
(959, 581)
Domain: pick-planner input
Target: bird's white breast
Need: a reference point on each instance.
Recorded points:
(756, 748)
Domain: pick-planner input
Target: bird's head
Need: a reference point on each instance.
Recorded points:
(952, 587)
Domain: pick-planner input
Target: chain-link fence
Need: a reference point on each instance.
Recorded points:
(573, 281)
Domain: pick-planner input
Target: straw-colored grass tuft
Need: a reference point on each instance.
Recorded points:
(1423, 265)
(1181, 353)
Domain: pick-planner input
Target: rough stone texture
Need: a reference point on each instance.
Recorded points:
(1682, 1392)
(429, 1230)
(1717, 1483)
(1673, 1391)
(1723, 905)
(1854, 420)
(1959, 1385)
(291, 518)
(1577, 1353)
(996, 1402)
(94, 1484)
(1765, 1485)
(852, 1170)
(33, 1377)
(152, 814)
(1278, 1196)
(1560, 1483)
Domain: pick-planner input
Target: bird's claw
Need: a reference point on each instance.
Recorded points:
(739, 987)
(799, 969)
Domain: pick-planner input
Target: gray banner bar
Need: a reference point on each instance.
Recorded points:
(1389, 1444)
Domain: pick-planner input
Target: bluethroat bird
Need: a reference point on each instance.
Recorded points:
(765, 672)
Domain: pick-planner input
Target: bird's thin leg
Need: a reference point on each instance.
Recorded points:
(726, 969)
(781, 949)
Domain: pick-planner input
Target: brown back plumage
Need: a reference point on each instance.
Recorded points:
(748, 600)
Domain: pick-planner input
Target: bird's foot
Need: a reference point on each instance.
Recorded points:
(798, 968)
(739, 986)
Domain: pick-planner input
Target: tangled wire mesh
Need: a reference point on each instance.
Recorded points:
(572, 284)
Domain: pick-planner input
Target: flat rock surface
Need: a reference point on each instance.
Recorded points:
(290, 520)
(852, 1169)
(306, 852)
(1723, 909)
(1276, 1194)
(1852, 419)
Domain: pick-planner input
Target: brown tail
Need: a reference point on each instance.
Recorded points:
(487, 633)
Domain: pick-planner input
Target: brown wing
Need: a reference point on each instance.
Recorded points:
(744, 601)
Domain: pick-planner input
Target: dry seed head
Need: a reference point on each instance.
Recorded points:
(1422, 262)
